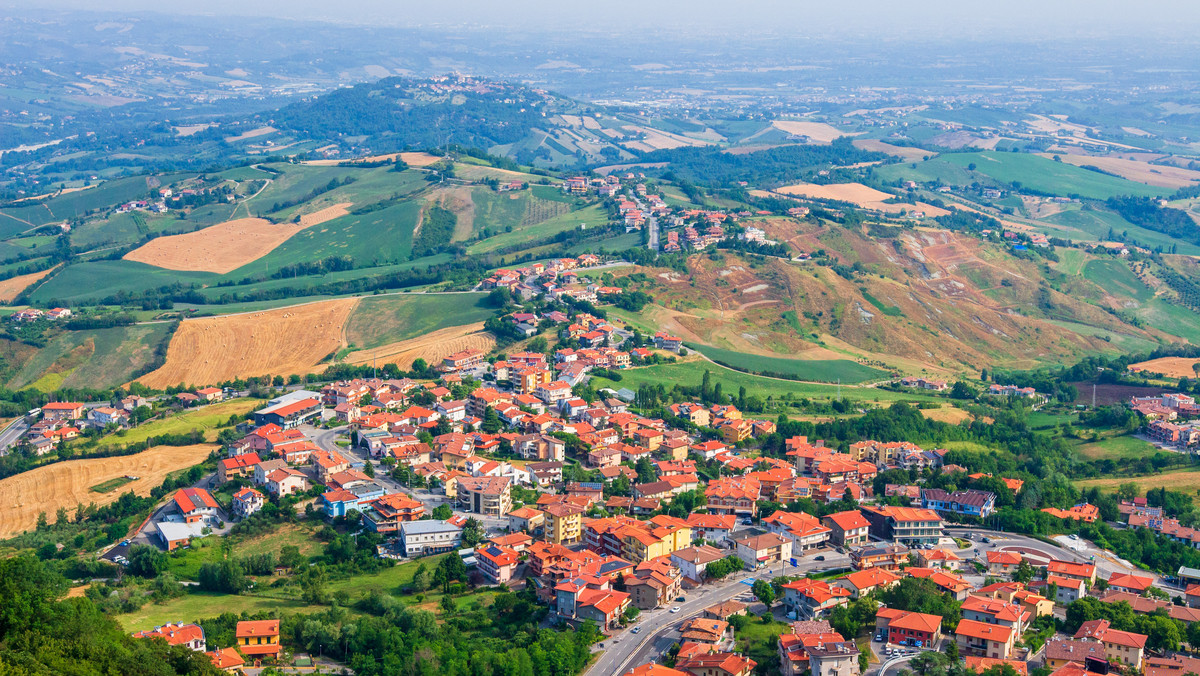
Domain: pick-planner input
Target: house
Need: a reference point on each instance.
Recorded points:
(419, 538)
(106, 415)
(285, 481)
(716, 664)
(693, 561)
(1058, 652)
(981, 664)
(498, 564)
(653, 583)
(1134, 584)
(526, 519)
(195, 504)
(236, 467)
(247, 501)
(1003, 563)
(1068, 590)
(995, 611)
(757, 551)
(980, 504)
(712, 527)
(1124, 647)
(848, 528)
(190, 636)
(809, 598)
(834, 658)
(210, 394)
(725, 610)
(354, 497)
(228, 660)
(706, 630)
(1072, 570)
(906, 628)
(938, 558)
(984, 640)
(804, 530)
(327, 463)
(887, 556)
(576, 601)
(863, 582)
(258, 638)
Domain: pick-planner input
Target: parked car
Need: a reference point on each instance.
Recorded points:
(879, 638)
(675, 609)
(887, 650)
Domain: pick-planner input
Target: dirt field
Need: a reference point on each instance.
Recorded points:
(326, 214)
(817, 131)
(1142, 172)
(221, 248)
(1172, 367)
(67, 484)
(253, 133)
(13, 286)
(857, 193)
(277, 342)
(432, 347)
(1107, 394)
(911, 154)
(411, 159)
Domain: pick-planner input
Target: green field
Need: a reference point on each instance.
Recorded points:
(1115, 277)
(77, 204)
(380, 320)
(110, 485)
(591, 217)
(691, 372)
(1174, 319)
(205, 418)
(1117, 448)
(303, 285)
(375, 238)
(1095, 224)
(821, 371)
(94, 358)
(1071, 261)
(1032, 172)
(95, 280)
(1120, 341)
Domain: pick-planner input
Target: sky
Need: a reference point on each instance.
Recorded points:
(887, 19)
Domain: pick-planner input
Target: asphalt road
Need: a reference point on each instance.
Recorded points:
(659, 628)
(12, 434)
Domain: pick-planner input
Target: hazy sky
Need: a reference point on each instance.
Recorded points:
(886, 18)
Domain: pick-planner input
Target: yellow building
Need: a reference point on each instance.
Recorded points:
(661, 536)
(564, 523)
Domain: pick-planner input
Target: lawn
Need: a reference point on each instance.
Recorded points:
(1047, 176)
(759, 641)
(380, 320)
(206, 418)
(199, 605)
(691, 372)
(592, 216)
(824, 370)
(1071, 261)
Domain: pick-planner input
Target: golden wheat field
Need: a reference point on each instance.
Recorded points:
(220, 248)
(13, 286)
(67, 484)
(1172, 367)
(286, 341)
(431, 347)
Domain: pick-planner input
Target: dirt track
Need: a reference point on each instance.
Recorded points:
(432, 347)
(286, 341)
(67, 484)
(221, 248)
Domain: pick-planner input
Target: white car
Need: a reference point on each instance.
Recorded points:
(675, 609)
(636, 629)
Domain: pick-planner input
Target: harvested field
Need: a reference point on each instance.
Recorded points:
(67, 484)
(411, 159)
(1134, 170)
(13, 286)
(326, 214)
(910, 154)
(817, 131)
(946, 414)
(657, 139)
(857, 193)
(221, 248)
(290, 340)
(1185, 481)
(432, 347)
(1172, 367)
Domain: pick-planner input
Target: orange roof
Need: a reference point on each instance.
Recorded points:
(870, 577)
(249, 628)
(1070, 568)
(226, 658)
(982, 664)
(917, 622)
(653, 669)
(189, 499)
(848, 520)
(1124, 638)
(1006, 558)
(1127, 581)
(174, 634)
(984, 631)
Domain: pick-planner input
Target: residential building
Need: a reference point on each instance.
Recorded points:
(984, 640)
(258, 638)
(190, 636)
(489, 496)
(1058, 652)
(247, 501)
(716, 664)
(837, 658)
(757, 551)
(195, 504)
(1072, 570)
(980, 504)
(693, 561)
(809, 598)
(888, 556)
(419, 538)
(497, 563)
(1003, 563)
(905, 525)
(1133, 584)
(848, 528)
(804, 530)
(995, 611)
(906, 628)
(386, 514)
(563, 523)
(863, 582)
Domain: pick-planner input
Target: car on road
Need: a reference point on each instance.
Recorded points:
(125, 543)
(675, 609)
(819, 557)
(636, 629)
(985, 541)
(1074, 536)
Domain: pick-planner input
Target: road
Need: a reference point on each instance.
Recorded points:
(659, 628)
(652, 224)
(13, 433)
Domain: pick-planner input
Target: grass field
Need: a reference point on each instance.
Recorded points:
(1095, 224)
(93, 358)
(1173, 319)
(76, 204)
(1185, 481)
(97, 280)
(691, 372)
(1047, 176)
(207, 418)
(1121, 447)
(1120, 341)
(110, 485)
(822, 371)
(200, 605)
(1116, 278)
(304, 282)
(591, 217)
(380, 320)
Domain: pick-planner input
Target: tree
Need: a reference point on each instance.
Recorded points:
(448, 605)
(369, 469)
(147, 560)
(645, 470)
(472, 532)
(422, 579)
(764, 592)
(961, 390)
(1024, 572)
(630, 614)
(442, 512)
